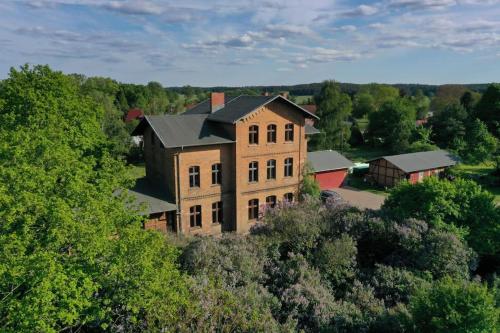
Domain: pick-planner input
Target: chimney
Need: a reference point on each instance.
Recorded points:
(216, 101)
(284, 94)
(266, 93)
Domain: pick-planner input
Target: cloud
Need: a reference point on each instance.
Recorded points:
(361, 10)
(346, 28)
(135, 7)
(324, 55)
(421, 4)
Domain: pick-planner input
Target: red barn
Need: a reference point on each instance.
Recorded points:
(389, 170)
(330, 168)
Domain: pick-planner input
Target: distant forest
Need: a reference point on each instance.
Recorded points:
(314, 88)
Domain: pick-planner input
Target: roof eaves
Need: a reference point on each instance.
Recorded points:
(200, 144)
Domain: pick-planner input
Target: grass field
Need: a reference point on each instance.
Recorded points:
(137, 170)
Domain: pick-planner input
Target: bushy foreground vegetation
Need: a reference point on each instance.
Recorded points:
(74, 259)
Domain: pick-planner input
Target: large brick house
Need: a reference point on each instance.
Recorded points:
(219, 164)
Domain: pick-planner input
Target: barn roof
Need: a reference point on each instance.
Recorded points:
(155, 201)
(425, 160)
(238, 107)
(184, 130)
(327, 160)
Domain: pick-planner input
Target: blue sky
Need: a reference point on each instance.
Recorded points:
(269, 42)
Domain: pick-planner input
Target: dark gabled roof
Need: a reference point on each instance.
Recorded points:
(327, 160)
(155, 201)
(184, 130)
(238, 107)
(311, 130)
(204, 107)
(425, 160)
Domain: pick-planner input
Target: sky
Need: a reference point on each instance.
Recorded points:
(256, 42)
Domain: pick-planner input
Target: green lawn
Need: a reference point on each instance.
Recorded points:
(137, 170)
(364, 153)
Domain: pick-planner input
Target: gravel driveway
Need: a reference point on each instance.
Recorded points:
(360, 199)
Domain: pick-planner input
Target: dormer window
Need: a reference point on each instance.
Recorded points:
(271, 133)
(253, 135)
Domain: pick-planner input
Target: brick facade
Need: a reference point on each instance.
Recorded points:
(169, 168)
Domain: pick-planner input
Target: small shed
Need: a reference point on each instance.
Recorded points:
(389, 170)
(330, 168)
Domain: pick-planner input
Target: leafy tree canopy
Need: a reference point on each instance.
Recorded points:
(71, 254)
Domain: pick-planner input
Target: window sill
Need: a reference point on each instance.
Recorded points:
(270, 180)
(216, 224)
(215, 185)
(195, 228)
(251, 183)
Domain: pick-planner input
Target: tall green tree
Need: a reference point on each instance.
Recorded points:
(364, 104)
(481, 144)
(334, 108)
(455, 307)
(446, 95)
(103, 92)
(449, 204)
(449, 127)
(422, 104)
(488, 108)
(380, 93)
(392, 125)
(72, 256)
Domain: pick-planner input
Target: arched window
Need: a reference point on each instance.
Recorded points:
(253, 135)
(253, 171)
(253, 209)
(271, 201)
(216, 174)
(194, 176)
(271, 169)
(288, 167)
(271, 133)
(195, 216)
(289, 132)
(288, 197)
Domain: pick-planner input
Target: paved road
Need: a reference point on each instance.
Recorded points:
(360, 199)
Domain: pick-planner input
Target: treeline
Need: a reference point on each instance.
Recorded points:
(314, 89)
(458, 119)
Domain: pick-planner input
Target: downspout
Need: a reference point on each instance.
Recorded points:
(300, 154)
(178, 190)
